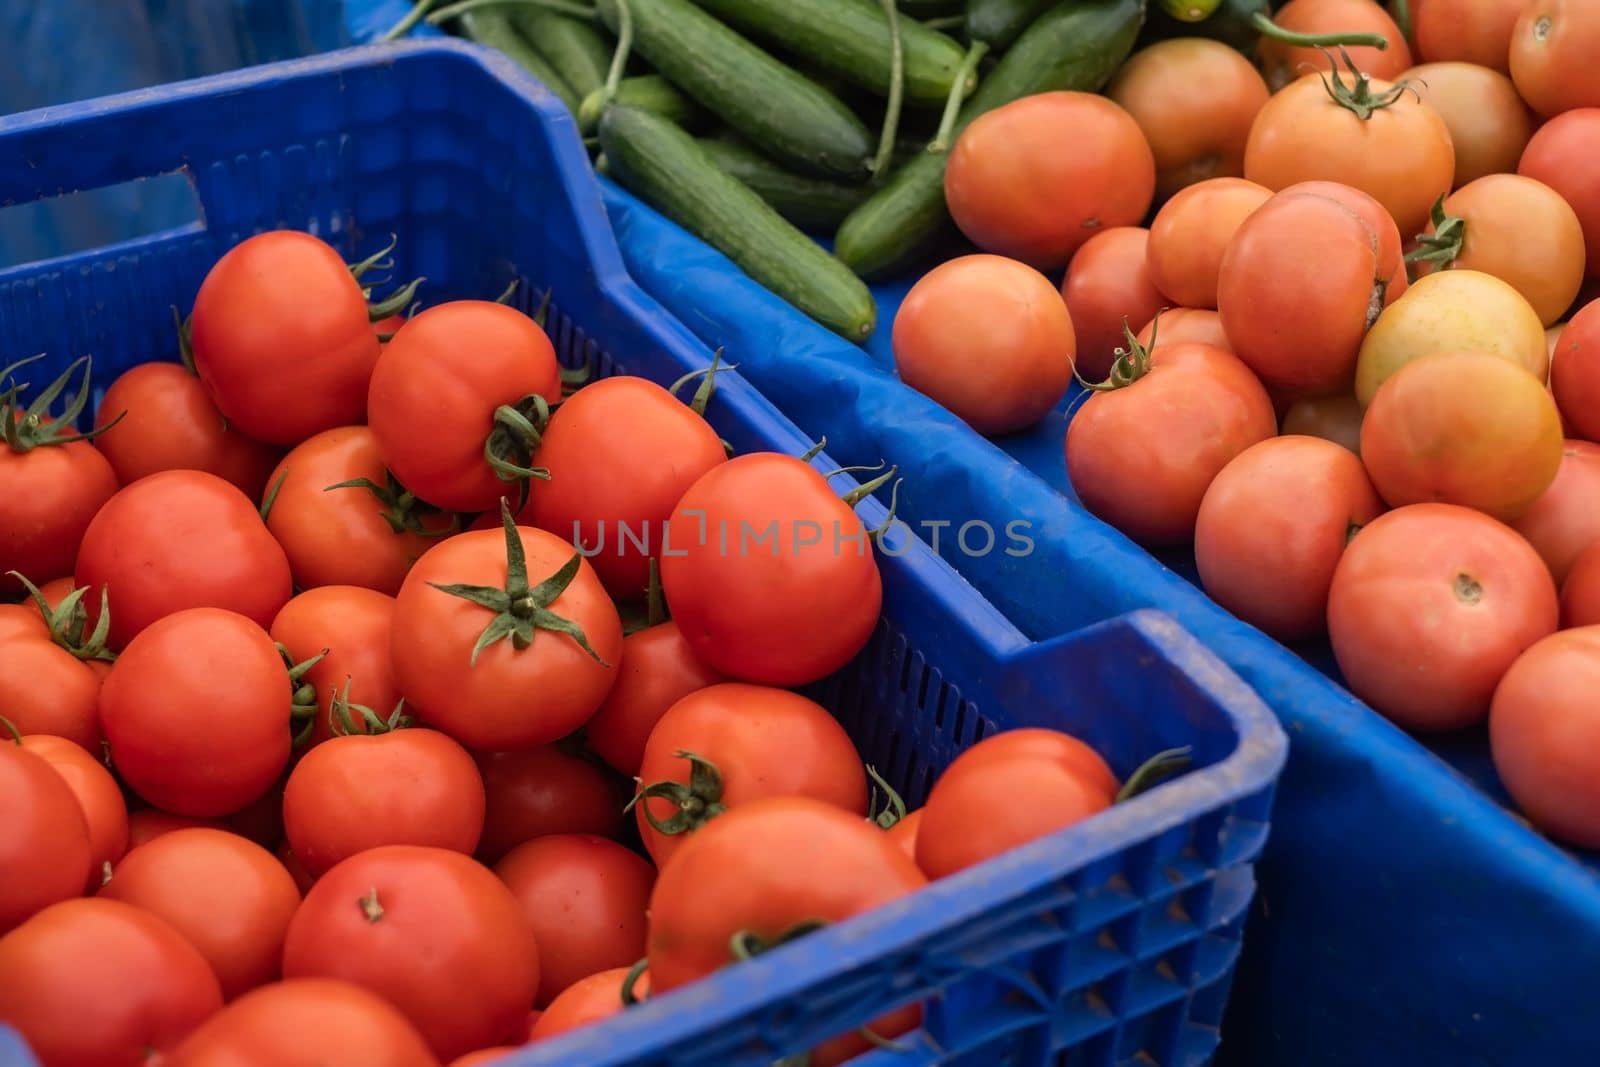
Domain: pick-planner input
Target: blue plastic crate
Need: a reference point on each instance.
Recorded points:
(1113, 942)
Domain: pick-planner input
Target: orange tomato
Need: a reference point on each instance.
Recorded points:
(1488, 122)
(1190, 233)
(1108, 288)
(1472, 31)
(589, 1000)
(1284, 63)
(1580, 593)
(1553, 50)
(1561, 154)
(1565, 519)
(1180, 325)
(1391, 247)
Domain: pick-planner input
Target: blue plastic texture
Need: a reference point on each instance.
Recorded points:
(1113, 942)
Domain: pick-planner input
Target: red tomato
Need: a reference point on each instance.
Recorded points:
(98, 794)
(736, 878)
(789, 614)
(1014, 192)
(1575, 373)
(1001, 371)
(229, 897)
(1553, 47)
(904, 832)
(354, 535)
(168, 423)
(1462, 428)
(1284, 63)
(176, 540)
(1580, 593)
(282, 339)
(352, 624)
(147, 824)
(584, 898)
(401, 787)
(658, 668)
(614, 492)
(1430, 604)
(537, 791)
(17, 620)
(49, 493)
(538, 683)
(1565, 520)
(1561, 154)
(1335, 418)
(1108, 288)
(452, 369)
(44, 689)
(1544, 732)
(1190, 233)
(1179, 325)
(45, 851)
(102, 982)
(1273, 526)
(1391, 248)
(308, 1022)
(758, 742)
(967, 818)
(197, 713)
(1489, 124)
(589, 1000)
(1194, 408)
(432, 932)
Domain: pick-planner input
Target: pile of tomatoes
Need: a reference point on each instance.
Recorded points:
(1335, 323)
(347, 724)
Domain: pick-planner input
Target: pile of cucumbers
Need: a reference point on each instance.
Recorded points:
(760, 121)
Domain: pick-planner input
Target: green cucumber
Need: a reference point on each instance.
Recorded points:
(1073, 46)
(784, 114)
(494, 28)
(928, 9)
(1230, 23)
(851, 39)
(666, 167)
(816, 205)
(999, 22)
(647, 92)
(579, 52)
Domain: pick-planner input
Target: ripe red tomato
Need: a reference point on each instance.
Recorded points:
(1108, 288)
(98, 794)
(400, 787)
(166, 422)
(49, 493)
(1489, 124)
(758, 742)
(431, 931)
(904, 832)
(176, 540)
(197, 713)
(1001, 371)
(1575, 373)
(18, 620)
(1473, 31)
(771, 576)
(586, 1001)
(44, 689)
(45, 851)
(658, 668)
(535, 685)
(613, 492)
(102, 982)
(1544, 732)
(1335, 418)
(1013, 191)
(1391, 247)
(967, 818)
(1284, 63)
(456, 369)
(282, 339)
(353, 625)
(1272, 527)
(1194, 408)
(1580, 593)
(1553, 46)
(1565, 520)
(1190, 233)
(1429, 606)
(353, 535)
(228, 896)
(307, 1022)
(584, 898)
(1561, 154)
(541, 790)
(1179, 325)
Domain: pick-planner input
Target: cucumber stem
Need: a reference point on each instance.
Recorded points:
(945, 22)
(952, 105)
(560, 7)
(619, 58)
(897, 79)
(405, 25)
(1267, 28)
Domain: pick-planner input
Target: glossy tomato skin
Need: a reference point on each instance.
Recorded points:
(435, 390)
(763, 742)
(511, 697)
(1429, 606)
(584, 898)
(542, 790)
(589, 1000)
(787, 611)
(411, 786)
(104, 809)
(1335, 418)
(282, 339)
(307, 1022)
(1561, 154)
(1108, 288)
(602, 481)
(45, 851)
(1544, 732)
(1195, 410)
(1283, 64)
(1272, 527)
(100, 983)
(169, 423)
(197, 713)
(1193, 136)
(1575, 373)
(49, 496)
(353, 624)
(1002, 370)
(429, 930)
(44, 689)
(658, 668)
(969, 816)
(1488, 122)
(229, 897)
(1178, 325)
(904, 832)
(1014, 193)
(339, 536)
(17, 620)
(1190, 234)
(1565, 520)
(1553, 46)
(1580, 593)
(176, 540)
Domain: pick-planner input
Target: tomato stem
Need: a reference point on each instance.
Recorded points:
(508, 292)
(747, 944)
(1153, 771)
(815, 450)
(11, 729)
(303, 702)
(630, 982)
(68, 620)
(396, 302)
(866, 489)
(401, 509)
(33, 427)
(271, 496)
(1358, 96)
(1267, 28)
(894, 806)
(707, 388)
(655, 601)
(185, 348)
(379, 260)
(342, 721)
(370, 906)
(509, 448)
(1444, 244)
(698, 802)
(1131, 363)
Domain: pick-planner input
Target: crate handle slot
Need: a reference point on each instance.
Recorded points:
(105, 220)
